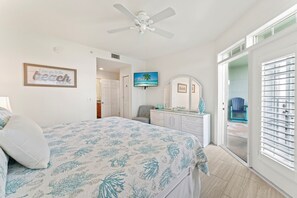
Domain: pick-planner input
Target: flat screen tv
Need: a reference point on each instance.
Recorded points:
(146, 79)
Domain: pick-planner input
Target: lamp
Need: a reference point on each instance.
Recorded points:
(4, 103)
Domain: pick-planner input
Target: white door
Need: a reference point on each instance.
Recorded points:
(110, 98)
(272, 113)
(222, 103)
(105, 98)
(126, 98)
(115, 97)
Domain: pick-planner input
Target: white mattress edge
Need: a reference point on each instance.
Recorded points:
(174, 183)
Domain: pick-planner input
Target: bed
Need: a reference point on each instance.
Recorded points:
(110, 158)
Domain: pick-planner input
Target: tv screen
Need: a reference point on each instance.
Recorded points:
(146, 79)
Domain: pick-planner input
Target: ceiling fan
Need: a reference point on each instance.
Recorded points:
(143, 22)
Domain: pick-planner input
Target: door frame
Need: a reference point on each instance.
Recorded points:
(123, 96)
(221, 106)
(104, 102)
(223, 93)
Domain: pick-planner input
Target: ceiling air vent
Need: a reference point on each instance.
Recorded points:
(116, 56)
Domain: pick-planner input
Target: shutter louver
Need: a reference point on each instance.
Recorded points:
(278, 110)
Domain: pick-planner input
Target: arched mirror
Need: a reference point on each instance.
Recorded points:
(183, 93)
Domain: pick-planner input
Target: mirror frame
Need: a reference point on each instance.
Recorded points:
(191, 78)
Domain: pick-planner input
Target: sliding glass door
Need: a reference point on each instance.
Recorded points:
(237, 107)
(233, 105)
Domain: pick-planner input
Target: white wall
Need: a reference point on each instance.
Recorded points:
(49, 106)
(238, 77)
(198, 62)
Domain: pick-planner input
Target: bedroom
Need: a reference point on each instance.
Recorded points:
(72, 34)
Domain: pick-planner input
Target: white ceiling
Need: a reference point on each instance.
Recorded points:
(87, 22)
(110, 66)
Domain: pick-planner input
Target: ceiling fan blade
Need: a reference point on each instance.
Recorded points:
(163, 15)
(162, 33)
(125, 11)
(119, 30)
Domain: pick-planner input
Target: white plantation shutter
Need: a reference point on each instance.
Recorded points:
(278, 110)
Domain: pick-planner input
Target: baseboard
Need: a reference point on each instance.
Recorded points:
(270, 183)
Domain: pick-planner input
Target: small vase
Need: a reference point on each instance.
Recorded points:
(201, 106)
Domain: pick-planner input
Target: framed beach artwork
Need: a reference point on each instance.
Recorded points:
(181, 88)
(49, 76)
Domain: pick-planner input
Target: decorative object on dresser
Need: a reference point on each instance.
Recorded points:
(48, 76)
(201, 106)
(190, 122)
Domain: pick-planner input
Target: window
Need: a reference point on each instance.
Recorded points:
(235, 49)
(278, 110)
(274, 26)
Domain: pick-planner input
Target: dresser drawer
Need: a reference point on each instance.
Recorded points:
(157, 118)
(192, 125)
(172, 121)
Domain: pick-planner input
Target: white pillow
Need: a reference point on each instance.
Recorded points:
(23, 140)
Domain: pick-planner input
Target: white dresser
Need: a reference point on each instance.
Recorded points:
(197, 124)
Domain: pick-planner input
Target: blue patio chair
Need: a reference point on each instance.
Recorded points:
(237, 107)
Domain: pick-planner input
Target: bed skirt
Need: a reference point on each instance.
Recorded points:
(188, 185)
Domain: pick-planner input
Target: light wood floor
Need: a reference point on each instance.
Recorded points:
(230, 179)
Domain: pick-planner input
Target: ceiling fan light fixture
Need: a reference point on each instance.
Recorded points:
(151, 29)
(150, 22)
(143, 21)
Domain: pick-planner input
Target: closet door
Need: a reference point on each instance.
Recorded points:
(272, 95)
(115, 97)
(126, 97)
(105, 98)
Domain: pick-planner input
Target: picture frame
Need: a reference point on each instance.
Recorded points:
(182, 88)
(49, 76)
(193, 88)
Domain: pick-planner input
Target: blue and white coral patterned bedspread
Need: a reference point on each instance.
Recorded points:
(108, 158)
